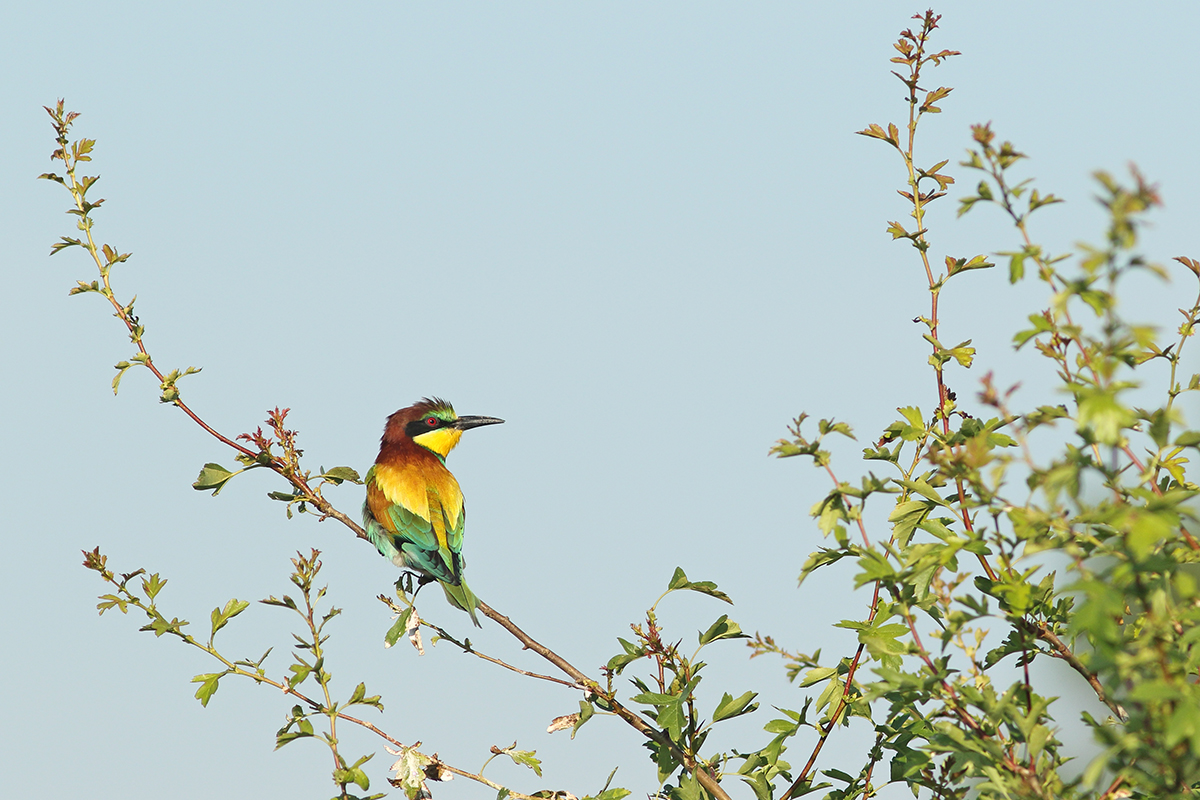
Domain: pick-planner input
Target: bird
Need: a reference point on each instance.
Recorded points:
(414, 512)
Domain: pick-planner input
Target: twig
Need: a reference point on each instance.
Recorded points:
(1043, 632)
(706, 778)
(466, 647)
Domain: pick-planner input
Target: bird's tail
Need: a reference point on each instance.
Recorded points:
(462, 597)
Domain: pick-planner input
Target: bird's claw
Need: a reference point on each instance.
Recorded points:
(411, 582)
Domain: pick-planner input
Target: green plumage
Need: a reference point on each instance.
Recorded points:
(414, 512)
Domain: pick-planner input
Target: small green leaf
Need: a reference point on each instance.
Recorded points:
(152, 586)
(615, 793)
(922, 487)
(300, 673)
(913, 417)
(672, 718)
(1188, 439)
(679, 581)
(212, 476)
(586, 711)
(957, 265)
(723, 628)
(221, 617)
(339, 474)
(208, 686)
(816, 675)
(360, 698)
(526, 758)
(120, 367)
(730, 707)
(398, 627)
(653, 698)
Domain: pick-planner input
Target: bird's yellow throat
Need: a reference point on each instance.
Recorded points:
(440, 441)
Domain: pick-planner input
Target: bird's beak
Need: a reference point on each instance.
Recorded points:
(466, 423)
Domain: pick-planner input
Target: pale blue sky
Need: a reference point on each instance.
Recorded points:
(644, 234)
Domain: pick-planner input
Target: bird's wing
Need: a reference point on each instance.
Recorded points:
(409, 538)
(448, 523)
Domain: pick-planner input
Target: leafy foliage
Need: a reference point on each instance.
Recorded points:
(1058, 530)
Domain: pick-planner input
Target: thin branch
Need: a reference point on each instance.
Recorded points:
(480, 779)
(706, 778)
(466, 647)
(1043, 632)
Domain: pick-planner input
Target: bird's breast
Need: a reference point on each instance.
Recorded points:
(414, 486)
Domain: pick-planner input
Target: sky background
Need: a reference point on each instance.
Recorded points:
(643, 234)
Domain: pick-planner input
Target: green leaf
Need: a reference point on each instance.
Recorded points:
(723, 628)
(653, 698)
(615, 793)
(212, 476)
(353, 775)
(159, 626)
(815, 675)
(152, 586)
(730, 707)
(906, 516)
(63, 245)
(913, 417)
(410, 772)
(360, 698)
(1188, 439)
(822, 557)
(1016, 265)
(526, 758)
(957, 265)
(679, 581)
(300, 673)
(221, 617)
(882, 641)
(672, 718)
(285, 734)
(922, 487)
(339, 474)
(286, 602)
(586, 712)
(632, 653)
(120, 367)
(208, 686)
(109, 601)
(1106, 418)
(875, 131)
(398, 627)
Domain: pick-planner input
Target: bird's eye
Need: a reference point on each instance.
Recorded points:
(431, 421)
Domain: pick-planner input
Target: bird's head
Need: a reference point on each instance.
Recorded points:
(432, 424)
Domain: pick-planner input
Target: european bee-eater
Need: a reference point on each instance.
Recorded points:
(414, 511)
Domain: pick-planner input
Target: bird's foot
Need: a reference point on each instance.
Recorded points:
(411, 582)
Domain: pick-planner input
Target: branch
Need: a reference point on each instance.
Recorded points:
(706, 778)
(1041, 631)
(467, 647)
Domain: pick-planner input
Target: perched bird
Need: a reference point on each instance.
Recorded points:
(414, 510)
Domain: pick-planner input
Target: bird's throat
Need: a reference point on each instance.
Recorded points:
(440, 441)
